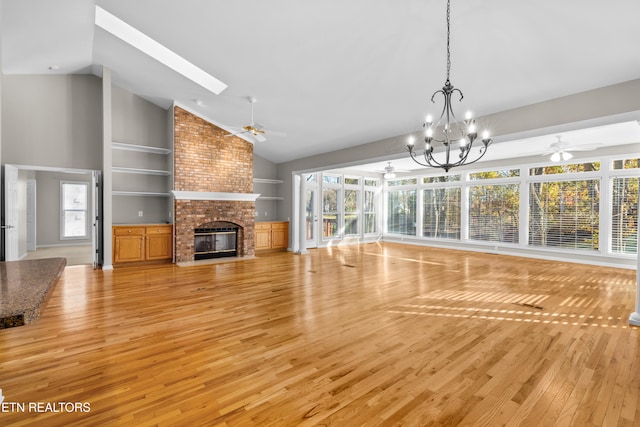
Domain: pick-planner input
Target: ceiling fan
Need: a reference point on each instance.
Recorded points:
(390, 172)
(254, 129)
(561, 150)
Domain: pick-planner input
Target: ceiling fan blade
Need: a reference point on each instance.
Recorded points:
(240, 132)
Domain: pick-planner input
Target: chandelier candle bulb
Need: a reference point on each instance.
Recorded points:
(429, 133)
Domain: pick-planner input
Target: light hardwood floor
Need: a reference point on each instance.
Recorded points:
(75, 255)
(377, 334)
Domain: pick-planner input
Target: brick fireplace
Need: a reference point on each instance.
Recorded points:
(213, 183)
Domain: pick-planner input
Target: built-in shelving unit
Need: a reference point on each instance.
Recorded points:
(268, 181)
(161, 189)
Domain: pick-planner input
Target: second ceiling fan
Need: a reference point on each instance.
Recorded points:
(254, 129)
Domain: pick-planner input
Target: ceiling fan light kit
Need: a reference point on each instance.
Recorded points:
(561, 155)
(447, 131)
(389, 171)
(256, 130)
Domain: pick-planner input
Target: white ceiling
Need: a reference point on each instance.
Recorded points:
(335, 73)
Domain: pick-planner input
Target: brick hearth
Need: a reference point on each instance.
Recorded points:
(207, 161)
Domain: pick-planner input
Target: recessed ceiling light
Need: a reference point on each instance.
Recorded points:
(200, 102)
(146, 44)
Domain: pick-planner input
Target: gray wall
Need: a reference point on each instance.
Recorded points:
(48, 207)
(52, 121)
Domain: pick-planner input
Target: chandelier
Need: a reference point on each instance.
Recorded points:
(447, 131)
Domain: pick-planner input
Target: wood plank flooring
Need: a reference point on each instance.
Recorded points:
(369, 335)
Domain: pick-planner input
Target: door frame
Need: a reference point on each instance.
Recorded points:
(313, 188)
(96, 243)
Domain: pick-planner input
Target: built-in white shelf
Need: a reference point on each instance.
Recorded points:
(140, 193)
(139, 148)
(140, 171)
(270, 198)
(267, 181)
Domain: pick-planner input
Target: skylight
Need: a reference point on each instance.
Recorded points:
(160, 53)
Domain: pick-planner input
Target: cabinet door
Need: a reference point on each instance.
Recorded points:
(159, 243)
(262, 238)
(128, 248)
(279, 236)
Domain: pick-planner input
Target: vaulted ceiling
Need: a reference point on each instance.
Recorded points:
(332, 74)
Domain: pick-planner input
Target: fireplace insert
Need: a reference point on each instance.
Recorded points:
(215, 242)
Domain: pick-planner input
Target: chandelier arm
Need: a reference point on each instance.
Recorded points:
(459, 91)
(415, 159)
(429, 159)
(483, 151)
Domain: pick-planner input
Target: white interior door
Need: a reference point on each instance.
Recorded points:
(95, 217)
(31, 215)
(311, 217)
(11, 207)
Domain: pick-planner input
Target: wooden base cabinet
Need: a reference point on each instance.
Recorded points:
(271, 235)
(139, 243)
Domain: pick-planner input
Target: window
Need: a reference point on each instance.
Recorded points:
(626, 164)
(507, 173)
(441, 214)
(494, 213)
(370, 217)
(351, 180)
(74, 216)
(624, 215)
(560, 169)
(398, 182)
(401, 212)
(331, 179)
(564, 214)
(351, 212)
(330, 215)
(442, 178)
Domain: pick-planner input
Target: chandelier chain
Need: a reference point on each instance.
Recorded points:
(448, 37)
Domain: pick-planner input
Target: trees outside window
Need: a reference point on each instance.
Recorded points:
(441, 212)
(401, 212)
(494, 213)
(624, 215)
(330, 213)
(370, 212)
(564, 214)
(351, 212)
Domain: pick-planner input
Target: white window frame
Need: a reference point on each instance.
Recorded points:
(86, 210)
